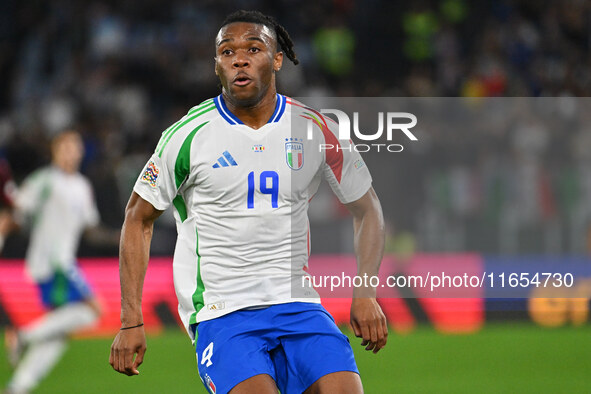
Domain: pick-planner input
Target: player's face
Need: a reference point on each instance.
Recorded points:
(246, 60)
(68, 152)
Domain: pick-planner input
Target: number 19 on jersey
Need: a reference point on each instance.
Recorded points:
(265, 178)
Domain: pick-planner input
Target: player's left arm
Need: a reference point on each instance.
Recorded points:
(367, 318)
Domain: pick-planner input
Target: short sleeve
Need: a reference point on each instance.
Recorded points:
(170, 165)
(156, 182)
(346, 172)
(31, 193)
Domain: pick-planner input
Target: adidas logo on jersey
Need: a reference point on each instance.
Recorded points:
(225, 160)
(217, 306)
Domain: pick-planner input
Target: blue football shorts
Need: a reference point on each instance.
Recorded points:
(64, 287)
(295, 343)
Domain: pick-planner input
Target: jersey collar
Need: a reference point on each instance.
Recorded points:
(233, 120)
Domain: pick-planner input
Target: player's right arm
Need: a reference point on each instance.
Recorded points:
(134, 250)
(154, 191)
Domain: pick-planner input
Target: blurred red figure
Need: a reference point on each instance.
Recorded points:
(7, 186)
(7, 190)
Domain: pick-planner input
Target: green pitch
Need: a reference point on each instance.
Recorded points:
(502, 358)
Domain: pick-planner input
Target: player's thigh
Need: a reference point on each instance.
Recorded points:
(263, 384)
(311, 358)
(343, 382)
(78, 287)
(65, 286)
(228, 357)
(315, 349)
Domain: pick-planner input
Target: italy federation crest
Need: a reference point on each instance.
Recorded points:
(294, 153)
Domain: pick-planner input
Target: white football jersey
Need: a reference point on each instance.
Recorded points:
(60, 206)
(241, 198)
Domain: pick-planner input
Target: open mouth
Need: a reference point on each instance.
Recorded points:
(242, 80)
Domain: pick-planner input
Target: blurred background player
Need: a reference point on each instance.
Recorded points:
(7, 190)
(58, 204)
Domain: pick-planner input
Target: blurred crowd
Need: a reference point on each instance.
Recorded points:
(502, 175)
(121, 71)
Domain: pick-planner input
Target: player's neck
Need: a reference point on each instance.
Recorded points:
(257, 115)
(65, 167)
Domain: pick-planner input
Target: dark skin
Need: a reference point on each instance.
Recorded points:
(129, 346)
(246, 61)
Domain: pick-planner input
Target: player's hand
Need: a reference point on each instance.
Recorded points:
(369, 323)
(127, 344)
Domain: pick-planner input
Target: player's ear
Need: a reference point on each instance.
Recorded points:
(277, 61)
(215, 66)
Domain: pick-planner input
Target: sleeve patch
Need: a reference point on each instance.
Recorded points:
(358, 164)
(151, 174)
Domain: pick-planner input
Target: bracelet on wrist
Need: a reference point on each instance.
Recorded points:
(129, 328)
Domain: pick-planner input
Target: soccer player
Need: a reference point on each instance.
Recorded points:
(59, 202)
(239, 170)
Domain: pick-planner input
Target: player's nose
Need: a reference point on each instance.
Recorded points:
(240, 60)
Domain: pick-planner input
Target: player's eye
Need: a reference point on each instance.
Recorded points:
(227, 52)
(254, 50)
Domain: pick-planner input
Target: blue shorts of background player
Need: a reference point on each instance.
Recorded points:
(295, 343)
(64, 287)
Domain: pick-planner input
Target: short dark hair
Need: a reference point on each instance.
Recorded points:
(283, 39)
